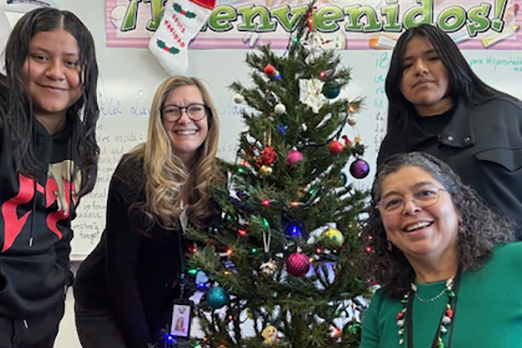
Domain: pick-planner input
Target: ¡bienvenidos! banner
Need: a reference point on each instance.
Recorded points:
(341, 24)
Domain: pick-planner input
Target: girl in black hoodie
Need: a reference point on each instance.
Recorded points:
(48, 161)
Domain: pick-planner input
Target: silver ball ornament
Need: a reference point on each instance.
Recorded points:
(239, 99)
(280, 109)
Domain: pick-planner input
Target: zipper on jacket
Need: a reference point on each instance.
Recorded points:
(33, 215)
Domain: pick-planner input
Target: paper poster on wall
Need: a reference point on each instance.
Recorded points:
(342, 24)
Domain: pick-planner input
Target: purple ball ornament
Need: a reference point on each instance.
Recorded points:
(359, 168)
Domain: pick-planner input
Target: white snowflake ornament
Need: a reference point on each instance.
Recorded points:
(310, 93)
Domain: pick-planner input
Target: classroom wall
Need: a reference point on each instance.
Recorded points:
(130, 76)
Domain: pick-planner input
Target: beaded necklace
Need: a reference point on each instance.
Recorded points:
(405, 316)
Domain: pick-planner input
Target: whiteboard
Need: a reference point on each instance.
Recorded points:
(129, 77)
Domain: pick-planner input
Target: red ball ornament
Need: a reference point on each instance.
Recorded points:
(359, 169)
(293, 158)
(268, 156)
(297, 264)
(270, 70)
(335, 147)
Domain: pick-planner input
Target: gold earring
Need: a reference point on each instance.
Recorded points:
(390, 245)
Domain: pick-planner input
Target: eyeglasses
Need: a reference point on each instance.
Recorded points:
(394, 204)
(196, 112)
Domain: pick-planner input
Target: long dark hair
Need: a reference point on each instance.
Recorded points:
(463, 83)
(480, 230)
(82, 115)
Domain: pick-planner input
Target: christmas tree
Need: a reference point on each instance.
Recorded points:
(281, 261)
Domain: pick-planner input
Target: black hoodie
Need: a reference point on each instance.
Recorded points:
(35, 222)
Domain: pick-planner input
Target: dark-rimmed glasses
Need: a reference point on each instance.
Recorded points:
(196, 112)
(394, 204)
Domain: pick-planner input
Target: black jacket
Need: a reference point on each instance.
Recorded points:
(482, 144)
(35, 233)
(132, 273)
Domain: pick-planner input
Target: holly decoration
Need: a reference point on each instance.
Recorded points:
(161, 44)
(180, 10)
(297, 264)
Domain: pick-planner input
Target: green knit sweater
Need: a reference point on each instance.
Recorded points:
(488, 313)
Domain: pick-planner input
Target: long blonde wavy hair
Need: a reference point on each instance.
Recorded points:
(167, 180)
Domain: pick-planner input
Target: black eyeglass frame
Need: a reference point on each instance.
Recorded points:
(208, 112)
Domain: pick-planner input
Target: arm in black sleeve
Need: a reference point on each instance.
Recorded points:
(63, 252)
(123, 246)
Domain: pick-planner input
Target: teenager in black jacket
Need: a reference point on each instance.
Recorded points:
(125, 289)
(439, 106)
(48, 161)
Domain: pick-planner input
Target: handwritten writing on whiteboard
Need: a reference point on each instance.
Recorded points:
(511, 63)
(380, 102)
(122, 126)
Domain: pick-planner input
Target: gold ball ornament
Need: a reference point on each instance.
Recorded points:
(265, 170)
(332, 238)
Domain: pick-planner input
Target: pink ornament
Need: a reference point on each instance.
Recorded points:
(293, 158)
(359, 169)
(297, 264)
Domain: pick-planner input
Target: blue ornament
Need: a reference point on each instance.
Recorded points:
(344, 179)
(294, 230)
(242, 195)
(201, 281)
(217, 297)
(331, 91)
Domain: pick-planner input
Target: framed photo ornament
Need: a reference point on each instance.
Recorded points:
(181, 318)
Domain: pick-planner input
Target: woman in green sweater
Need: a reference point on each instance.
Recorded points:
(448, 277)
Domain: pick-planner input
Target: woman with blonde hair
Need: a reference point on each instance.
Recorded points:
(125, 289)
